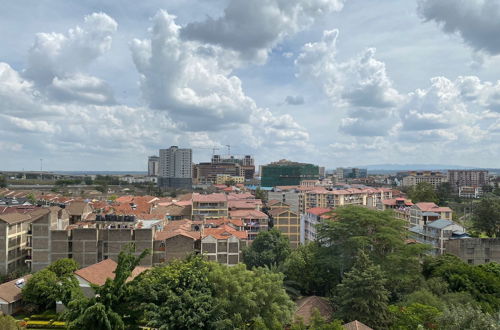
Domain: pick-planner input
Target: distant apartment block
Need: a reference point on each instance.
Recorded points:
(153, 166)
(401, 208)
(288, 223)
(467, 178)
(175, 168)
(475, 251)
(310, 220)
(423, 213)
(287, 173)
(344, 173)
(413, 178)
(437, 233)
(470, 192)
(209, 206)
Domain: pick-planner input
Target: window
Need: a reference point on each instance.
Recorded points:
(470, 261)
(470, 250)
(486, 260)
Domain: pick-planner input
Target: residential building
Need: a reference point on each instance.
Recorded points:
(78, 211)
(175, 168)
(288, 223)
(290, 196)
(254, 221)
(436, 233)
(223, 244)
(423, 213)
(287, 173)
(309, 220)
(413, 178)
(470, 192)
(209, 206)
(206, 173)
(400, 206)
(344, 173)
(246, 164)
(226, 178)
(467, 178)
(153, 166)
(475, 251)
(10, 295)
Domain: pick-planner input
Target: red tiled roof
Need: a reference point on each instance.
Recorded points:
(98, 273)
(224, 232)
(247, 214)
(318, 210)
(432, 207)
(209, 198)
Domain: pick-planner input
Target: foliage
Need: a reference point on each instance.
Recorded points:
(487, 217)
(467, 317)
(269, 247)
(175, 296)
(3, 181)
(317, 322)
(362, 294)
(63, 267)
(7, 322)
(105, 309)
(413, 316)
(260, 194)
(31, 198)
(423, 192)
(444, 193)
(42, 290)
(481, 282)
(247, 296)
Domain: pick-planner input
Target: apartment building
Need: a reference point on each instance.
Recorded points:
(209, 206)
(413, 178)
(344, 173)
(226, 178)
(400, 206)
(470, 192)
(254, 221)
(175, 168)
(437, 233)
(289, 196)
(288, 223)
(467, 178)
(309, 220)
(423, 213)
(323, 198)
(475, 251)
(287, 173)
(153, 165)
(78, 211)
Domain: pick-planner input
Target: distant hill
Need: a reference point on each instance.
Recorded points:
(409, 167)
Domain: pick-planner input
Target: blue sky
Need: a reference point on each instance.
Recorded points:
(100, 86)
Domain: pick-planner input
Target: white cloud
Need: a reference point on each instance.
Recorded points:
(254, 27)
(294, 100)
(476, 21)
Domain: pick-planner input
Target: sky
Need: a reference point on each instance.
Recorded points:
(93, 85)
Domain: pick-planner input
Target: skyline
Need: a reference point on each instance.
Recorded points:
(93, 86)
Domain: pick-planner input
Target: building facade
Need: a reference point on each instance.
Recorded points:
(437, 233)
(153, 166)
(175, 168)
(287, 173)
(467, 178)
(309, 221)
(415, 177)
(288, 223)
(475, 251)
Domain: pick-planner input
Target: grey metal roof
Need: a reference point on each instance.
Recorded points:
(440, 224)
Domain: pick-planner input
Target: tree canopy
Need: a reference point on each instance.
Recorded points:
(487, 216)
(423, 192)
(269, 247)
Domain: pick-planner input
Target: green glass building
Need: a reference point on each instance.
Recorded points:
(287, 173)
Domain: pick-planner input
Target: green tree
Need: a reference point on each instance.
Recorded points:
(42, 290)
(414, 316)
(3, 181)
(64, 267)
(444, 193)
(423, 192)
(7, 322)
(317, 322)
(467, 317)
(244, 297)
(486, 217)
(362, 294)
(31, 198)
(269, 247)
(260, 194)
(105, 310)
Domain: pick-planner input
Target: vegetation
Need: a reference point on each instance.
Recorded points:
(268, 248)
(486, 216)
(7, 322)
(423, 192)
(3, 181)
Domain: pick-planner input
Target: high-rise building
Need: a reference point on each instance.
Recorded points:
(467, 178)
(287, 173)
(351, 173)
(176, 170)
(153, 165)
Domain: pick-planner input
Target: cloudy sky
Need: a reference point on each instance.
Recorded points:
(93, 85)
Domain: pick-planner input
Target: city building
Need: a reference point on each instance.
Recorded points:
(344, 173)
(467, 178)
(10, 295)
(225, 179)
(287, 173)
(309, 220)
(400, 206)
(423, 213)
(254, 221)
(153, 166)
(470, 192)
(475, 251)
(288, 223)
(246, 164)
(175, 168)
(209, 206)
(436, 233)
(289, 196)
(413, 178)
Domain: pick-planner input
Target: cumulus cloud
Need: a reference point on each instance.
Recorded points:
(294, 100)
(56, 61)
(253, 28)
(360, 86)
(476, 21)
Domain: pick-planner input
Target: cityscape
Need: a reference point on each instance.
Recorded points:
(264, 164)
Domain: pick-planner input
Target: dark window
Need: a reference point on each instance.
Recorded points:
(470, 261)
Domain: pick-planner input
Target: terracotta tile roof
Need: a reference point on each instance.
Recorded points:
(356, 325)
(76, 207)
(124, 199)
(210, 198)
(10, 292)
(306, 306)
(98, 273)
(318, 210)
(222, 221)
(164, 235)
(240, 196)
(27, 215)
(244, 204)
(278, 211)
(273, 202)
(224, 232)
(432, 207)
(393, 202)
(247, 214)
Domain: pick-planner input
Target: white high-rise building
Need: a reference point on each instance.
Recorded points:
(153, 165)
(176, 169)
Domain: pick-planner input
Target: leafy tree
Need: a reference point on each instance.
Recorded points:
(249, 296)
(317, 322)
(260, 194)
(87, 180)
(7, 322)
(467, 317)
(362, 294)
(3, 181)
(423, 192)
(444, 193)
(105, 310)
(414, 316)
(487, 217)
(42, 290)
(64, 267)
(175, 296)
(31, 198)
(269, 247)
